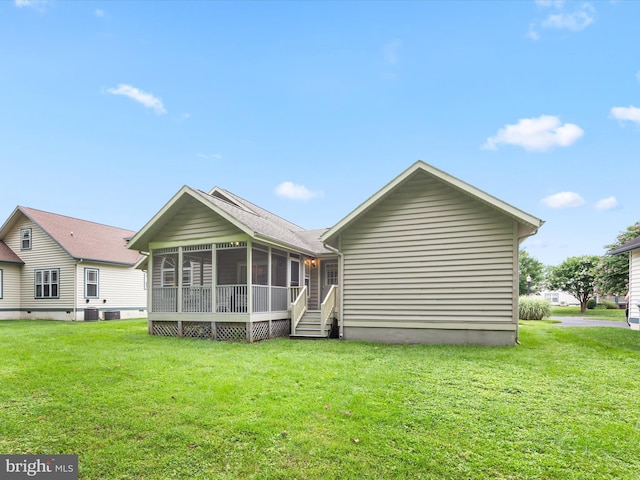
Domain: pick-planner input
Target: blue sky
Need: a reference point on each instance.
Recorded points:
(307, 108)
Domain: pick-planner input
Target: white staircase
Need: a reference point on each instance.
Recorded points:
(310, 327)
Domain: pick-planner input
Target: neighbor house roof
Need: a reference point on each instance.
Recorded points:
(528, 223)
(258, 223)
(626, 247)
(81, 239)
(7, 255)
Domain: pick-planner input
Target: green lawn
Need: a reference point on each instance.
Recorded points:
(563, 404)
(593, 314)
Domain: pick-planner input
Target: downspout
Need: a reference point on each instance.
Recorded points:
(75, 292)
(341, 284)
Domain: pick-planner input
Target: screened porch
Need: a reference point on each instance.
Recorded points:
(214, 279)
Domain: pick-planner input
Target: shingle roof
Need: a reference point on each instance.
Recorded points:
(7, 255)
(266, 224)
(626, 247)
(83, 239)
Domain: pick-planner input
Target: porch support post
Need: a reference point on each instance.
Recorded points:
(214, 277)
(249, 288)
(150, 292)
(179, 283)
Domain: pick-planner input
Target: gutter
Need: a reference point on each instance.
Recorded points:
(341, 284)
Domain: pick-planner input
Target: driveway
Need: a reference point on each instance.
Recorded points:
(583, 322)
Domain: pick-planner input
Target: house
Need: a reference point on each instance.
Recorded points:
(558, 298)
(633, 248)
(63, 268)
(426, 259)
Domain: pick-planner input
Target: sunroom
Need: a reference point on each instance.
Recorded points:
(238, 290)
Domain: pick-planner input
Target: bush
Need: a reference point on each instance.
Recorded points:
(531, 308)
(609, 305)
(591, 303)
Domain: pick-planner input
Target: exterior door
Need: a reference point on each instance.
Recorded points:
(329, 277)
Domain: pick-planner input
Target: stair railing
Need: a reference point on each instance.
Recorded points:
(328, 307)
(298, 307)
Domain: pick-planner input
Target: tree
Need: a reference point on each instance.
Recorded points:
(577, 276)
(613, 270)
(529, 266)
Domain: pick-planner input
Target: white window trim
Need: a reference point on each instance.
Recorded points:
(87, 283)
(42, 271)
(29, 238)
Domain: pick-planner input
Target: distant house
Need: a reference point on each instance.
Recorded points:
(63, 268)
(558, 298)
(427, 259)
(633, 248)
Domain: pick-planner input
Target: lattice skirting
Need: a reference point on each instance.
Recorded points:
(231, 331)
(164, 329)
(222, 331)
(280, 328)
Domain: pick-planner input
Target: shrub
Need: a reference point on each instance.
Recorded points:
(609, 305)
(531, 308)
(591, 303)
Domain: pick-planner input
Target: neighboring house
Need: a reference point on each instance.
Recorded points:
(633, 247)
(558, 298)
(427, 259)
(63, 268)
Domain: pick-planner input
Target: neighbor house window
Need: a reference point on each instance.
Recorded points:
(47, 283)
(91, 282)
(331, 274)
(25, 239)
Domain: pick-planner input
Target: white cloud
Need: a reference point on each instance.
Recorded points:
(295, 192)
(607, 203)
(563, 200)
(99, 13)
(550, 3)
(532, 33)
(146, 99)
(574, 22)
(210, 156)
(638, 76)
(35, 4)
(390, 51)
(540, 133)
(631, 113)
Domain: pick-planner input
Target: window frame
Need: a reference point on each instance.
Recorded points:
(327, 270)
(43, 272)
(87, 283)
(28, 238)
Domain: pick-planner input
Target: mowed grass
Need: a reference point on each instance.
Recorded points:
(591, 314)
(563, 404)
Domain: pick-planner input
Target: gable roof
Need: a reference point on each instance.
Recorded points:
(626, 247)
(81, 239)
(258, 223)
(7, 255)
(529, 224)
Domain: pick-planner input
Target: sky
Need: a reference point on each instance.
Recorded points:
(308, 108)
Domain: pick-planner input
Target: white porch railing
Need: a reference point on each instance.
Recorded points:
(231, 299)
(259, 298)
(164, 299)
(293, 293)
(196, 299)
(279, 301)
(298, 307)
(328, 307)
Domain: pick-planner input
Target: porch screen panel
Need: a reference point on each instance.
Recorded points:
(278, 281)
(164, 284)
(197, 291)
(260, 278)
(231, 277)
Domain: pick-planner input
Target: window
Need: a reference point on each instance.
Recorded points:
(47, 283)
(25, 239)
(91, 283)
(331, 274)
